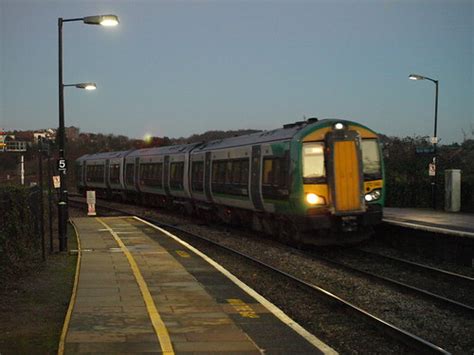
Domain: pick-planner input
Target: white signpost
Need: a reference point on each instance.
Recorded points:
(91, 203)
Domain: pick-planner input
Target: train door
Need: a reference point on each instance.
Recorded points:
(137, 173)
(255, 181)
(207, 176)
(84, 177)
(345, 171)
(107, 173)
(166, 173)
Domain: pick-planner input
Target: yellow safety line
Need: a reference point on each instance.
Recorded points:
(72, 301)
(158, 324)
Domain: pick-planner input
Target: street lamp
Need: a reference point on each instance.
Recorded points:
(434, 140)
(104, 20)
(86, 86)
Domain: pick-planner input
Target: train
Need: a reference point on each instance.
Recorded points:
(312, 182)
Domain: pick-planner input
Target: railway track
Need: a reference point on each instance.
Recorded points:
(432, 283)
(410, 340)
(456, 276)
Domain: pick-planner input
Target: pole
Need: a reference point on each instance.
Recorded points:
(22, 169)
(50, 204)
(41, 203)
(62, 204)
(435, 144)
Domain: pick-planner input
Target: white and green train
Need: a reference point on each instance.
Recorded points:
(312, 181)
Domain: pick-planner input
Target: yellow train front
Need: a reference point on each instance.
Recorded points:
(337, 179)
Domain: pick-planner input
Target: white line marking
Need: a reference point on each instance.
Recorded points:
(430, 228)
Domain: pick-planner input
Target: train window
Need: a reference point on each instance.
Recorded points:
(95, 173)
(157, 177)
(267, 171)
(236, 169)
(114, 172)
(371, 159)
(197, 176)
(176, 175)
(214, 171)
(275, 178)
(228, 172)
(244, 172)
(151, 174)
(221, 171)
(314, 170)
(129, 174)
(100, 173)
(230, 176)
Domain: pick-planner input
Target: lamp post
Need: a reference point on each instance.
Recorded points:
(435, 137)
(104, 20)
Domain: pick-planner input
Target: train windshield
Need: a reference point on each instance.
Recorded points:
(371, 159)
(313, 163)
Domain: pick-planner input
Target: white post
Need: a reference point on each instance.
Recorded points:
(452, 190)
(22, 169)
(91, 203)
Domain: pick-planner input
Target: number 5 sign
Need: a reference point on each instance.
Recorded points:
(62, 166)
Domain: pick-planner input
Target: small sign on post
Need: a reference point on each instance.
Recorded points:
(432, 169)
(62, 164)
(91, 203)
(56, 181)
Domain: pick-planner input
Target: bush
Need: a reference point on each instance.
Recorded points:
(20, 244)
(406, 173)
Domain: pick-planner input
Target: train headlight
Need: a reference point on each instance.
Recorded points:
(339, 125)
(373, 195)
(314, 199)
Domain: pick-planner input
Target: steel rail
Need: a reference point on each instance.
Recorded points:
(399, 334)
(390, 281)
(460, 277)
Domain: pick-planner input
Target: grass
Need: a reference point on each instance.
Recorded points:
(33, 307)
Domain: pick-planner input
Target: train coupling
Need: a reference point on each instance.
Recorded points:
(349, 223)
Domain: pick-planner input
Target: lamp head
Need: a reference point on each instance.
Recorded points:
(104, 20)
(416, 77)
(87, 86)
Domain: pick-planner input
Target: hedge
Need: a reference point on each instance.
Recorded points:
(20, 245)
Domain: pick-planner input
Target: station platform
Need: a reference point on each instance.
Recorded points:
(458, 224)
(139, 289)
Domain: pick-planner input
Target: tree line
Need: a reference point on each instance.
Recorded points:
(407, 181)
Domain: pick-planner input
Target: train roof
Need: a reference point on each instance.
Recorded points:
(104, 155)
(279, 134)
(171, 149)
(287, 132)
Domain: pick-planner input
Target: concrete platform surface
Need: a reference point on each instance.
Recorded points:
(141, 291)
(459, 224)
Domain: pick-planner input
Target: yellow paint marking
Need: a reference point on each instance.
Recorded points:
(158, 324)
(243, 308)
(183, 254)
(67, 320)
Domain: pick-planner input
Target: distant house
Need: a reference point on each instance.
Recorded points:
(47, 134)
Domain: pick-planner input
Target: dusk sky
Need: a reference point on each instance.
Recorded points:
(174, 68)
